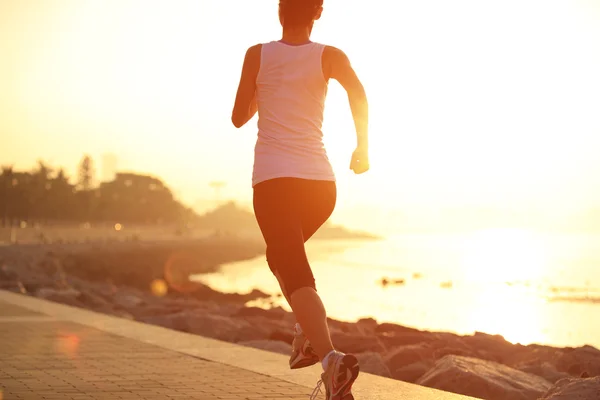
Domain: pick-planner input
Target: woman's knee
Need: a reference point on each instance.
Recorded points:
(293, 279)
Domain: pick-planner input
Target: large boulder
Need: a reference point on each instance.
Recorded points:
(574, 389)
(491, 347)
(366, 326)
(401, 357)
(578, 361)
(413, 372)
(372, 363)
(483, 379)
(544, 369)
(533, 354)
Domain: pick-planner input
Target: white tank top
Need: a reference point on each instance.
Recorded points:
(290, 94)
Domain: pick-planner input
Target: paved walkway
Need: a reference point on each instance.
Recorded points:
(47, 359)
(52, 351)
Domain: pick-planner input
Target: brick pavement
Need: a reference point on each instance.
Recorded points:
(52, 359)
(54, 351)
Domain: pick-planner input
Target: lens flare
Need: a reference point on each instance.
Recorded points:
(159, 287)
(178, 269)
(68, 344)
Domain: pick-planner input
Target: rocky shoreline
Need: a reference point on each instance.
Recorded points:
(147, 282)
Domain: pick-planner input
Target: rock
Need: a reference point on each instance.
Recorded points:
(65, 296)
(393, 328)
(225, 309)
(483, 379)
(490, 347)
(178, 322)
(355, 344)
(336, 326)
(372, 363)
(533, 355)
(137, 264)
(127, 300)
(269, 345)
(7, 274)
(9, 285)
(577, 361)
(392, 340)
(406, 355)
(412, 372)
(544, 369)
(92, 300)
(274, 313)
(203, 292)
(456, 351)
(224, 328)
(35, 286)
(265, 324)
(574, 389)
(366, 326)
(283, 336)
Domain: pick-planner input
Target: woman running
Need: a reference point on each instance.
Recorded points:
(294, 185)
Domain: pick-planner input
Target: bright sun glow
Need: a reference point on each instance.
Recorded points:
(470, 101)
(503, 255)
(514, 315)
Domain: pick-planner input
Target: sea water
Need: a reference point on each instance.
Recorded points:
(527, 286)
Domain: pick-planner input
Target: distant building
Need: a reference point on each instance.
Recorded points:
(109, 167)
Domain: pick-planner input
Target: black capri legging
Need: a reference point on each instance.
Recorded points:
(289, 211)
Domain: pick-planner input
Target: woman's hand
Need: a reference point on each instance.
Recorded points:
(360, 160)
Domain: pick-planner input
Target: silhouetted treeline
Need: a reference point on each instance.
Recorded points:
(45, 195)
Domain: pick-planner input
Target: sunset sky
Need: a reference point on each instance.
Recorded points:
(473, 103)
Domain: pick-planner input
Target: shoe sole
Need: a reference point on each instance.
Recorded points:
(304, 360)
(304, 364)
(351, 364)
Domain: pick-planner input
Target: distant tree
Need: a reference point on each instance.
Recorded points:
(43, 195)
(86, 173)
(61, 197)
(43, 171)
(38, 191)
(85, 182)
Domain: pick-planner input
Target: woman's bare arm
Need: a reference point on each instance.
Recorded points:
(245, 101)
(340, 69)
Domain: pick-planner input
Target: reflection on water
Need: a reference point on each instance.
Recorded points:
(518, 316)
(504, 255)
(502, 282)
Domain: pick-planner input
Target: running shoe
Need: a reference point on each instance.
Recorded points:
(342, 371)
(303, 354)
